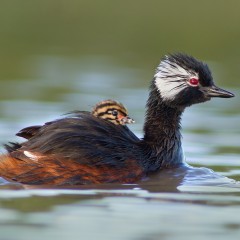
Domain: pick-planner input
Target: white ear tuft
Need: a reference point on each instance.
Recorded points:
(170, 78)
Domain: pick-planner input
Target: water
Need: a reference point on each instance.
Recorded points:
(174, 204)
(57, 58)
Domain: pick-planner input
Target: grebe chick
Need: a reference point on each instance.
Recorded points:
(112, 111)
(86, 149)
(109, 110)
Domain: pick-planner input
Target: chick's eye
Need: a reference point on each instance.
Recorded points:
(114, 112)
(193, 82)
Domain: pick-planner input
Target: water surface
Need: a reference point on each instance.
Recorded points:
(174, 204)
(58, 57)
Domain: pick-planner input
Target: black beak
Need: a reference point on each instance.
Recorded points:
(214, 91)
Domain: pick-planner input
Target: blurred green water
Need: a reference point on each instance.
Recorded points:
(134, 34)
(56, 56)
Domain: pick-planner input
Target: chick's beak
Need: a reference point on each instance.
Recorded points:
(126, 120)
(214, 91)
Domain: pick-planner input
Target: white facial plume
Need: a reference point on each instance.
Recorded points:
(171, 78)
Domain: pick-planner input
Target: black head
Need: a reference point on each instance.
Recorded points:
(183, 80)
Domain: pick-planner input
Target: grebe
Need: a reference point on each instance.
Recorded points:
(85, 149)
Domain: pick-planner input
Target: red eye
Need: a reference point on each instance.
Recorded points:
(193, 81)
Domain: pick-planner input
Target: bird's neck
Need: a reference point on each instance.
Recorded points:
(162, 137)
